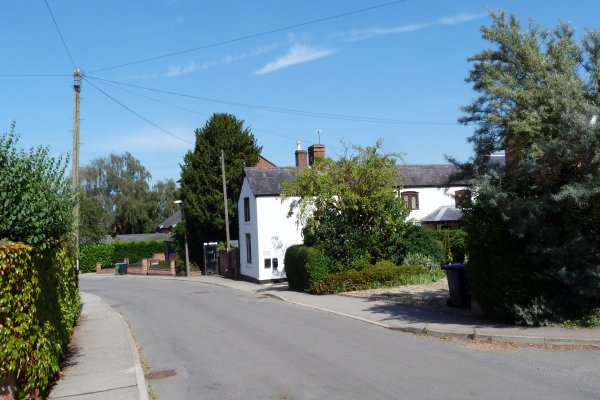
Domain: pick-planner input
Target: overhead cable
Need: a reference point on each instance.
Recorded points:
(60, 34)
(314, 114)
(250, 36)
(139, 115)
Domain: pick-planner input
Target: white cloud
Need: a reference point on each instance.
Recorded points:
(178, 70)
(363, 34)
(297, 54)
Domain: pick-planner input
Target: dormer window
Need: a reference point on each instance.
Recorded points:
(411, 200)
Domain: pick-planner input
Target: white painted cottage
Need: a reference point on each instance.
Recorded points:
(428, 199)
(266, 232)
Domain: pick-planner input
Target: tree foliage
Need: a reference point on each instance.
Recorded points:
(349, 208)
(534, 231)
(117, 193)
(201, 182)
(36, 201)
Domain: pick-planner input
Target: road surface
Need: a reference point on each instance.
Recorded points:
(207, 342)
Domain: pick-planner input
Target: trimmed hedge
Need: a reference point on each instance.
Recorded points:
(117, 251)
(39, 306)
(305, 266)
(383, 274)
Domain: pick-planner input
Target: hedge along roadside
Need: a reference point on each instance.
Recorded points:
(117, 251)
(39, 306)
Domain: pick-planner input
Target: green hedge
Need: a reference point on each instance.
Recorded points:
(39, 306)
(305, 266)
(117, 251)
(383, 274)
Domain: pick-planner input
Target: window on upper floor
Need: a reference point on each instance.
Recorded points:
(462, 198)
(246, 209)
(411, 200)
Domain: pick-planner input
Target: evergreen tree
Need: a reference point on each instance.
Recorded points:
(201, 181)
(535, 226)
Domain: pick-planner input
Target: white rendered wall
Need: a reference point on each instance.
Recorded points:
(276, 232)
(248, 269)
(431, 198)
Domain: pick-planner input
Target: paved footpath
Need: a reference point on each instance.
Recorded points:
(104, 361)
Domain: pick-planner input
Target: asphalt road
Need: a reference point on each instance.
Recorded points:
(221, 343)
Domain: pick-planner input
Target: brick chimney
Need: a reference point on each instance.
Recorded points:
(315, 151)
(301, 156)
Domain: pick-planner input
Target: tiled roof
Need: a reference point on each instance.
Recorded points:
(171, 221)
(444, 214)
(427, 175)
(268, 181)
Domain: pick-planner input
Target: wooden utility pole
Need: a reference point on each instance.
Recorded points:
(75, 174)
(225, 201)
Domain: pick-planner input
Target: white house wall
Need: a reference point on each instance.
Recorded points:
(271, 233)
(430, 199)
(276, 232)
(248, 227)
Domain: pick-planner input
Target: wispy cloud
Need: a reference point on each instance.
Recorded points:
(362, 34)
(191, 67)
(297, 54)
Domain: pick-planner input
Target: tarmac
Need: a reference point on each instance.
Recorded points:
(92, 373)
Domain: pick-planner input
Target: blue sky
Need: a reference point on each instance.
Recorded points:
(398, 63)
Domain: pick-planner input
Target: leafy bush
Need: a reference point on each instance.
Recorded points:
(421, 240)
(454, 243)
(421, 260)
(36, 200)
(305, 267)
(384, 274)
(39, 305)
(92, 253)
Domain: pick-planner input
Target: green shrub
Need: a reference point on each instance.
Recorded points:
(93, 253)
(39, 305)
(422, 240)
(305, 267)
(421, 260)
(36, 201)
(384, 274)
(454, 242)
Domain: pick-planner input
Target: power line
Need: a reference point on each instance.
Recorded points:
(250, 36)
(196, 112)
(32, 75)
(139, 115)
(304, 113)
(60, 34)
